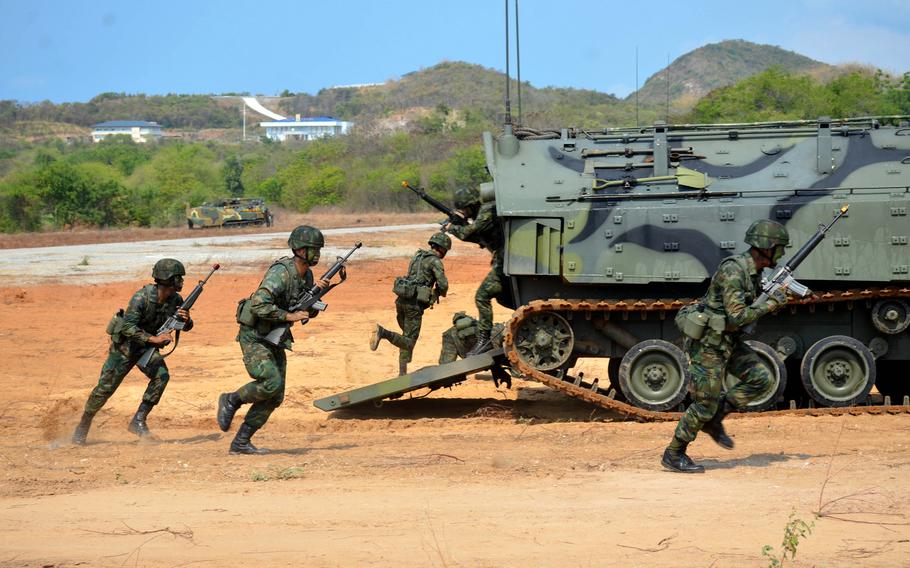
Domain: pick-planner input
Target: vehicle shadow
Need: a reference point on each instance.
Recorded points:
(539, 403)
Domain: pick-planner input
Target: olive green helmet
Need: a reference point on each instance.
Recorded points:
(466, 197)
(441, 240)
(167, 268)
(305, 236)
(767, 234)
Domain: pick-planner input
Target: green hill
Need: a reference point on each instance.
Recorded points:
(698, 72)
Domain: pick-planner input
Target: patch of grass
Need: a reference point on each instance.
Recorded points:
(84, 261)
(795, 530)
(260, 476)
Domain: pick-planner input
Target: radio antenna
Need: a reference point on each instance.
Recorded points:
(518, 60)
(668, 89)
(508, 119)
(637, 122)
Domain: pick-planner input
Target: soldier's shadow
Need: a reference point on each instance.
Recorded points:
(307, 450)
(754, 460)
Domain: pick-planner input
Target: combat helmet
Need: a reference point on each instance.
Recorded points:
(305, 236)
(441, 240)
(167, 268)
(466, 197)
(767, 234)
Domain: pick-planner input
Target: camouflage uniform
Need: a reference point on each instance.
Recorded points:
(141, 320)
(131, 331)
(426, 269)
(458, 339)
(486, 231)
(268, 308)
(731, 293)
(267, 364)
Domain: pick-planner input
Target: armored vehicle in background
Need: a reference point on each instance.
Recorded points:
(608, 233)
(229, 212)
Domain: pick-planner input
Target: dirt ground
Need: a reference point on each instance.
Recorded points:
(471, 476)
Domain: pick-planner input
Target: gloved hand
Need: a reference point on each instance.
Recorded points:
(777, 299)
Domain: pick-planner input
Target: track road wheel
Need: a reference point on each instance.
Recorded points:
(654, 375)
(544, 341)
(774, 364)
(838, 371)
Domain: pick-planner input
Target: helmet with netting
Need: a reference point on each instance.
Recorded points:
(466, 197)
(167, 268)
(305, 236)
(441, 240)
(767, 234)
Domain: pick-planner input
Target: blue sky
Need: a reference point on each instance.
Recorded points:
(72, 50)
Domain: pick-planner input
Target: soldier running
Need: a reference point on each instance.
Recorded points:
(266, 364)
(424, 283)
(486, 231)
(132, 331)
(730, 297)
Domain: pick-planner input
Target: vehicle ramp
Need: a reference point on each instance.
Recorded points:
(432, 377)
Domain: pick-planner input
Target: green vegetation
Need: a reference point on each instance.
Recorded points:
(425, 128)
(795, 530)
(777, 94)
(171, 111)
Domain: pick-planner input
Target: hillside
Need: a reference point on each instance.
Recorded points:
(698, 72)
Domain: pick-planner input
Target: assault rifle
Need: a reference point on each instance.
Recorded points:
(173, 323)
(312, 298)
(454, 217)
(782, 280)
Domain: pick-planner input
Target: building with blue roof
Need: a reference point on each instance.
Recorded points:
(310, 128)
(140, 131)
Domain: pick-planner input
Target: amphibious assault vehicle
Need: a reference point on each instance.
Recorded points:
(609, 232)
(229, 212)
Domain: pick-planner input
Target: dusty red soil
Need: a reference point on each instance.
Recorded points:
(472, 476)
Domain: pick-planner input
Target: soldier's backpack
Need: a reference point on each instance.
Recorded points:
(410, 286)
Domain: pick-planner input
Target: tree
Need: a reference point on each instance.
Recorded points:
(232, 172)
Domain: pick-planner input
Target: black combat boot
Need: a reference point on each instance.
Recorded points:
(242, 444)
(402, 368)
(675, 459)
(378, 335)
(715, 427)
(137, 424)
(82, 429)
(482, 344)
(228, 404)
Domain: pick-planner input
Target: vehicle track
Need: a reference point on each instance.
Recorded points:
(593, 393)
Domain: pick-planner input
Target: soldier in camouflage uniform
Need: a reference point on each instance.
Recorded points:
(458, 339)
(425, 272)
(284, 282)
(486, 231)
(132, 331)
(731, 296)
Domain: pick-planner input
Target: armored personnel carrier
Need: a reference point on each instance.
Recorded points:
(229, 212)
(608, 233)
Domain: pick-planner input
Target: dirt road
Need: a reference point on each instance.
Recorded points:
(472, 476)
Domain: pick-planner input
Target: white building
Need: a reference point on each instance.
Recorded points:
(139, 130)
(305, 128)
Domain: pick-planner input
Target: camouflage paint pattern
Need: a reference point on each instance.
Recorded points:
(120, 360)
(129, 338)
(426, 269)
(566, 239)
(266, 364)
(731, 294)
(227, 212)
(457, 342)
(486, 231)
